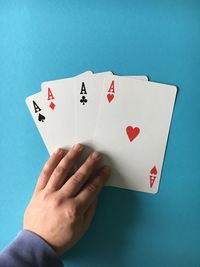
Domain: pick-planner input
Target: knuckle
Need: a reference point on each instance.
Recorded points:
(92, 188)
(73, 211)
(57, 201)
(45, 195)
(45, 172)
(60, 170)
(78, 177)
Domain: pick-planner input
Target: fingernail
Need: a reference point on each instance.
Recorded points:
(59, 151)
(96, 155)
(78, 147)
(106, 170)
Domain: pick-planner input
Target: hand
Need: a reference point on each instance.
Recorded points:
(62, 208)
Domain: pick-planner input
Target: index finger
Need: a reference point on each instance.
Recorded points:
(91, 190)
(48, 169)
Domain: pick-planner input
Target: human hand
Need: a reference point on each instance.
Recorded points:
(62, 207)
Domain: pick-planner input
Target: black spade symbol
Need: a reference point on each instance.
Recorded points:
(41, 117)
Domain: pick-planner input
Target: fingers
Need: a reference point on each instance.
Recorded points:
(60, 173)
(75, 183)
(92, 189)
(48, 169)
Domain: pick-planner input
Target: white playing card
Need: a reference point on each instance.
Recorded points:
(43, 85)
(132, 130)
(143, 77)
(39, 113)
(59, 99)
(102, 73)
(87, 103)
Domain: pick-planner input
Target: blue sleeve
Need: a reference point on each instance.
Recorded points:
(29, 250)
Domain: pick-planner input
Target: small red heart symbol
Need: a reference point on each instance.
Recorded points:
(132, 132)
(154, 170)
(110, 97)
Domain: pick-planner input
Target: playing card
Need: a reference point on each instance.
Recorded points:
(44, 85)
(88, 93)
(132, 130)
(39, 113)
(142, 77)
(102, 73)
(59, 101)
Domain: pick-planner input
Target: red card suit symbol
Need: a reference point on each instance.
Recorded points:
(152, 180)
(132, 132)
(52, 105)
(154, 170)
(110, 97)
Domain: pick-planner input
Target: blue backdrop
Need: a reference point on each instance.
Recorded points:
(43, 40)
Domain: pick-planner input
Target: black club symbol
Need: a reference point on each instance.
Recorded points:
(83, 100)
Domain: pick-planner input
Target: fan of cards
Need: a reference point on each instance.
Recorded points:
(126, 118)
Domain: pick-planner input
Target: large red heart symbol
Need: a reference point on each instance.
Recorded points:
(110, 97)
(132, 132)
(154, 170)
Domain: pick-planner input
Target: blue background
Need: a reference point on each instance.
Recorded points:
(44, 40)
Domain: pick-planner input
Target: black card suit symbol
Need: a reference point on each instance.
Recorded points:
(83, 100)
(41, 117)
